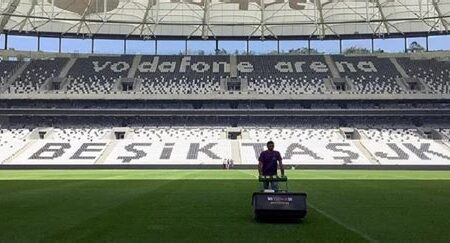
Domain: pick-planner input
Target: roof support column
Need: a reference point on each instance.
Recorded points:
(247, 47)
(309, 46)
(372, 44)
(6, 41)
(406, 45)
(39, 42)
(92, 45)
(217, 46)
(278, 46)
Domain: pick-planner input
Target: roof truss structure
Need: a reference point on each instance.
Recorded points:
(225, 18)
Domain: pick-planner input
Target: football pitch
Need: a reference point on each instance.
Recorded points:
(215, 206)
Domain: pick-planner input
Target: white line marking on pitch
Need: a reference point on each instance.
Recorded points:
(247, 173)
(351, 228)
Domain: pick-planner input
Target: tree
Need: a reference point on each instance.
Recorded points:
(303, 51)
(378, 51)
(221, 52)
(356, 50)
(415, 47)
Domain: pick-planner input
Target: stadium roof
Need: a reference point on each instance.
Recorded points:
(225, 18)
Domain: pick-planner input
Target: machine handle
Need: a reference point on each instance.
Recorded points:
(272, 178)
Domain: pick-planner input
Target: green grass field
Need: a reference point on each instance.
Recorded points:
(214, 205)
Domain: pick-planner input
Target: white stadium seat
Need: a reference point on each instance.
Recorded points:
(202, 145)
(199, 75)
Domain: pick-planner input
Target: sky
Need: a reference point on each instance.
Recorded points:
(69, 45)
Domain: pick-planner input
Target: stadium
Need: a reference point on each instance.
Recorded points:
(133, 120)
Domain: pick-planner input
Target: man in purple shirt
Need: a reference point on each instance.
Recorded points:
(268, 162)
